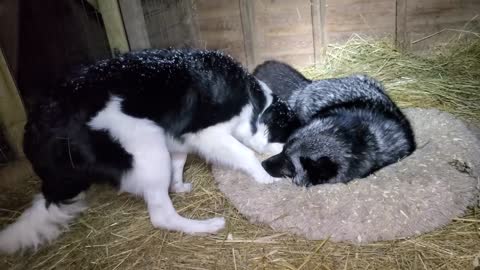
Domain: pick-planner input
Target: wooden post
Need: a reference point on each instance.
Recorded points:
(318, 28)
(402, 41)
(189, 6)
(134, 21)
(117, 38)
(12, 112)
(247, 15)
(94, 3)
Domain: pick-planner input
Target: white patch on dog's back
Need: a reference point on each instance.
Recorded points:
(39, 224)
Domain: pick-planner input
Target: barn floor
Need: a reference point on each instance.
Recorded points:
(115, 232)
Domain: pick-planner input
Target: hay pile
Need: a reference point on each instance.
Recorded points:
(447, 79)
(115, 232)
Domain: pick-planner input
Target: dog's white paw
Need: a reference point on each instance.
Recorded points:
(274, 148)
(207, 226)
(181, 188)
(265, 178)
(215, 224)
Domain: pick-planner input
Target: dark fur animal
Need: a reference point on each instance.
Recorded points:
(131, 121)
(349, 127)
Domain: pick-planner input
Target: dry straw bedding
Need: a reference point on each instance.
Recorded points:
(115, 232)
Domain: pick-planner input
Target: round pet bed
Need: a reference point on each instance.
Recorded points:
(418, 194)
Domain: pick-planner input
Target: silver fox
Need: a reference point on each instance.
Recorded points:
(342, 129)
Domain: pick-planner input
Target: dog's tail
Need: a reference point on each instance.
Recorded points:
(42, 222)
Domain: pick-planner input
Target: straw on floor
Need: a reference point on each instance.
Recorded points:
(115, 232)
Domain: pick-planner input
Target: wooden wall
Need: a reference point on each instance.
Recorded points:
(175, 19)
(54, 37)
(439, 19)
(298, 31)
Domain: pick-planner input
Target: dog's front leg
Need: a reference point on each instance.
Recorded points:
(163, 215)
(258, 141)
(218, 145)
(178, 162)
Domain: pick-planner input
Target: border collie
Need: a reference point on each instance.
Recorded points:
(131, 121)
(339, 129)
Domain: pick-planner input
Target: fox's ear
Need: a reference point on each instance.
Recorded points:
(319, 170)
(282, 78)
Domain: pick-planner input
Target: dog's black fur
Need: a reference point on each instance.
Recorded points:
(182, 91)
(131, 121)
(281, 78)
(346, 128)
(280, 119)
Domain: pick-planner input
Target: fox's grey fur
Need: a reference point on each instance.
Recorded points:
(349, 127)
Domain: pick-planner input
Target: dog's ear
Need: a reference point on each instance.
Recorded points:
(319, 170)
(280, 120)
(280, 77)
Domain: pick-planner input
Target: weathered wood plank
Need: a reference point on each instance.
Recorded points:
(284, 31)
(12, 112)
(134, 21)
(402, 41)
(220, 27)
(169, 23)
(433, 22)
(117, 38)
(247, 14)
(344, 18)
(192, 21)
(94, 3)
(9, 27)
(318, 29)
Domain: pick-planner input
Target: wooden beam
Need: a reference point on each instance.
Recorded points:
(93, 3)
(192, 21)
(134, 21)
(318, 29)
(247, 15)
(12, 112)
(112, 18)
(402, 41)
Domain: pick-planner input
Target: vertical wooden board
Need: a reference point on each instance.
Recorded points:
(9, 14)
(220, 26)
(249, 28)
(135, 26)
(113, 22)
(318, 10)
(192, 21)
(402, 40)
(364, 17)
(12, 112)
(168, 23)
(284, 31)
(433, 22)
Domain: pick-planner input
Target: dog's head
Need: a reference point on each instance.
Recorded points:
(282, 78)
(280, 120)
(309, 157)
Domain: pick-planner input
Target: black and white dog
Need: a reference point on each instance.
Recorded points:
(131, 121)
(337, 129)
